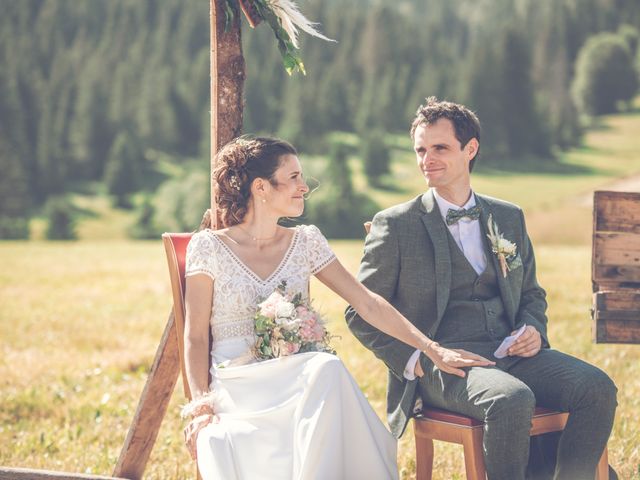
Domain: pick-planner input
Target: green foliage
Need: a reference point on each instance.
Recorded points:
(338, 169)
(375, 156)
(99, 68)
(631, 36)
(14, 201)
(338, 217)
(61, 224)
(605, 75)
(12, 228)
(122, 173)
(335, 208)
(181, 202)
(145, 226)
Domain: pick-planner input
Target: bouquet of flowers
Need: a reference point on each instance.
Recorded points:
(286, 325)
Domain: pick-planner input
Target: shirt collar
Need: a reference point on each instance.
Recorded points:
(445, 205)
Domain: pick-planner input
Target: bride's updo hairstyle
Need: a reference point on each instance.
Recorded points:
(238, 164)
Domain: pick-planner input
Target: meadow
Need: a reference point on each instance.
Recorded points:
(80, 323)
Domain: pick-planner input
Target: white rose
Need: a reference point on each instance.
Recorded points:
(290, 324)
(285, 310)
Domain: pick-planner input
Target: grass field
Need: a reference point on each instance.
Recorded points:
(80, 322)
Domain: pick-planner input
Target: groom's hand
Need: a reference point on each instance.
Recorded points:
(453, 360)
(528, 344)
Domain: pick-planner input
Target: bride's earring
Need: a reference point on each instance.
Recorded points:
(264, 201)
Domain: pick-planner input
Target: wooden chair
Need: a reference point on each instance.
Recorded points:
(616, 267)
(438, 424)
(175, 245)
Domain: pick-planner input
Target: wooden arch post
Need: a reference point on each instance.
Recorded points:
(227, 82)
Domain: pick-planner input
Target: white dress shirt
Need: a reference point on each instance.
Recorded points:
(468, 236)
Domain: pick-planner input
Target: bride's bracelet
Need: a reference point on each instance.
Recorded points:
(198, 406)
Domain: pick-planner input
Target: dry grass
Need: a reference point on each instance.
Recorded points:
(79, 324)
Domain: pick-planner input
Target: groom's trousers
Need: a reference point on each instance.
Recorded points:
(504, 397)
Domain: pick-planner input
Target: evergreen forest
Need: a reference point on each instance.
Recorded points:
(115, 93)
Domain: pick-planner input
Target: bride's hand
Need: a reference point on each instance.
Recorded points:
(452, 360)
(193, 428)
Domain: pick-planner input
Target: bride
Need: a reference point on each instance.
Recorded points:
(295, 417)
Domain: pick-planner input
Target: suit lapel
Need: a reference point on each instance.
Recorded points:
(503, 283)
(437, 231)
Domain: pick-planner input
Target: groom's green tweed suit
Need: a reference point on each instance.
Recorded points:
(407, 260)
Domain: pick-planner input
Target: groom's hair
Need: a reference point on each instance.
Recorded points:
(465, 123)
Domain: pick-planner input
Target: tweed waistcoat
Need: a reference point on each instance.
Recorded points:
(475, 311)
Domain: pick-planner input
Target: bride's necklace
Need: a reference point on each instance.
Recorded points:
(257, 239)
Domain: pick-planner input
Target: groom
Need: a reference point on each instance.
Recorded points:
(433, 260)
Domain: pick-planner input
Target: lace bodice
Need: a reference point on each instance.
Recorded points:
(237, 289)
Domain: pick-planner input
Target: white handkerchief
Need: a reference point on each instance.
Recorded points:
(501, 351)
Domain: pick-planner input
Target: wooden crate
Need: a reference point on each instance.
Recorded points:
(616, 267)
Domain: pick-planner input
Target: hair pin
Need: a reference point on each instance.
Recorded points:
(234, 182)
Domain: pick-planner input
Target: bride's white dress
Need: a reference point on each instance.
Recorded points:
(297, 417)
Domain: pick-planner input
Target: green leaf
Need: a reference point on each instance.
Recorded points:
(228, 14)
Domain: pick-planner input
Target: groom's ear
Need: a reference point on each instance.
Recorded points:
(471, 148)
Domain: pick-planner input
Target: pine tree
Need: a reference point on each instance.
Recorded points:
(14, 201)
(122, 174)
(61, 225)
(605, 75)
(375, 156)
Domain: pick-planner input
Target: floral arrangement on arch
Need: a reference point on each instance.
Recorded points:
(285, 19)
(286, 325)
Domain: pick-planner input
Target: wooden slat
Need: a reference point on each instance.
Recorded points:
(617, 300)
(7, 473)
(616, 331)
(616, 258)
(616, 316)
(151, 407)
(617, 211)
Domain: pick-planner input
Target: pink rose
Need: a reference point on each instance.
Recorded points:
(306, 333)
(318, 332)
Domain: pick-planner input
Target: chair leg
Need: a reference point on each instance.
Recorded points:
(424, 458)
(602, 471)
(473, 455)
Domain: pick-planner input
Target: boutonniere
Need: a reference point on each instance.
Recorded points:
(501, 247)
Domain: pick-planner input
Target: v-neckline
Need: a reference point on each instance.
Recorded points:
(250, 271)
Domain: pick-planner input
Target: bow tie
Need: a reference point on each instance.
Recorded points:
(454, 215)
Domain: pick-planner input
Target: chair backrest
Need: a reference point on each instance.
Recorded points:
(175, 245)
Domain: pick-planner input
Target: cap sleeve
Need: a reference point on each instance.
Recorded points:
(200, 255)
(319, 252)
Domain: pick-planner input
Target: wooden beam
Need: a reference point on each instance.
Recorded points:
(7, 473)
(151, 407)
(227, 83)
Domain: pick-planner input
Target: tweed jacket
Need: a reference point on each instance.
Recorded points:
(407, 261)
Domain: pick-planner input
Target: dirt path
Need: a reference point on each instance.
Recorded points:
(628, 184)
(572, 221)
